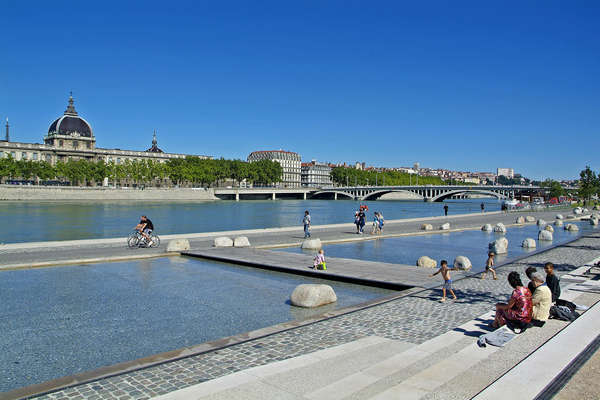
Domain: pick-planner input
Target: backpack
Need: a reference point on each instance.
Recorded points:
(563, 313)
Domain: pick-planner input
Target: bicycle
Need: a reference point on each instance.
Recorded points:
(136, 239)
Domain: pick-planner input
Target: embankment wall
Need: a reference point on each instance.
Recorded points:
(41, 193)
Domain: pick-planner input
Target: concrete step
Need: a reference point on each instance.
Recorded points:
(369, 368)
(294, 377)
(339, 372)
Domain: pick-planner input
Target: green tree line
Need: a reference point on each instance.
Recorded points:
(188, 171)
(589, 184)
(352, 176)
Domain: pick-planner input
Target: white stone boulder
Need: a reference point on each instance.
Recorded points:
(312, 295)
(500, 228)
(445, 227)
(593, 221)
(528, 243)
(520, 220)
(559, 216)
(545, 235)
(462, 263)
(578, 211)
(499, 246)
(427, 227)
(311, 244)
(241, 241)
(571, 227)
(541, 222)
(487, 228)
(585, 210)
(426, 262)
(549, 228)
(223, 241)
(530, 218)
(178, 245)
(558, 222)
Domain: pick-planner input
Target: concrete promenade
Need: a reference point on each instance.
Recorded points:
(396, 348)
(38, 254)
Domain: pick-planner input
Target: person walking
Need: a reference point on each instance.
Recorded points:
(446, 210)
(306, 223)
(445, 271)
(489, 264)
(362, 220)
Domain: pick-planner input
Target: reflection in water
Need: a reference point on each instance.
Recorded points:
(300, 313)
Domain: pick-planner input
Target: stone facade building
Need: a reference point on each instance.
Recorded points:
(289, 161)
(316, 174)
(71, 137)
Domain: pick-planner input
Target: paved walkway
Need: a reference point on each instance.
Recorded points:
(389, 328)
(342, 269)
(26, 255)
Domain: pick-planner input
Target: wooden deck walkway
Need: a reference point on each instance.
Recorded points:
(392, 276)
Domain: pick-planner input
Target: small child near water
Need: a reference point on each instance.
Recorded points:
(488, 265)
(445, 271)
(319, 262)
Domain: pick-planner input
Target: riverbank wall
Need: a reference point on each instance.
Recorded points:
(44, 193)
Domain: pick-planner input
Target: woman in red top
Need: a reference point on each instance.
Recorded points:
(519, 307)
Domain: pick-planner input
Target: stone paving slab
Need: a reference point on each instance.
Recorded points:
(349, 270)
(413, 319)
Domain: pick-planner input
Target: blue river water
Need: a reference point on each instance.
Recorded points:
(472, 244)
(64, 320)
(26, 221)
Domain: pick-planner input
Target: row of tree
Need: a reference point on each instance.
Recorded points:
(188, 171)
(351, 176)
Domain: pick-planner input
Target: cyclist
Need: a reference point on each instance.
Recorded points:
(145, 228)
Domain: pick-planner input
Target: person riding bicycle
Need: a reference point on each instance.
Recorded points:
(145, 228)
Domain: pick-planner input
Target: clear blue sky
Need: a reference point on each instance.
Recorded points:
(454, 84)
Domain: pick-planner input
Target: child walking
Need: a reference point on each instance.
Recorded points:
(488, 265)
(319, 262)
(445, 271)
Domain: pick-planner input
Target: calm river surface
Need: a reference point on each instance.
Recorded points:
(25, 221)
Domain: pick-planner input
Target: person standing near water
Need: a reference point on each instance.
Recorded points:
(306, 223)
(446, 210)
(482, 207)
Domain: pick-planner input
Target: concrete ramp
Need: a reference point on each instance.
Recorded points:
(392, 276)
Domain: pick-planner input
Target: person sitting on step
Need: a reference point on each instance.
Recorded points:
(519, 309)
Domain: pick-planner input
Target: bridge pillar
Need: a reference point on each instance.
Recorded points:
(335, 196)
(237, 196)
(273, 196)
(304, 196)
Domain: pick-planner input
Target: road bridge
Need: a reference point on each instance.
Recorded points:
(425, 192)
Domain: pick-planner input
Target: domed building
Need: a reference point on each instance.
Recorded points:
(71, 137)
(71, 131)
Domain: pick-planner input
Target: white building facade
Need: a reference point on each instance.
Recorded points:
(315, 174)
(507, 172)
(290, 163)
(70, 137)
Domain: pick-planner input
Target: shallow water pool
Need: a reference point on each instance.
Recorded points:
(64, 320)
(472, 244)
